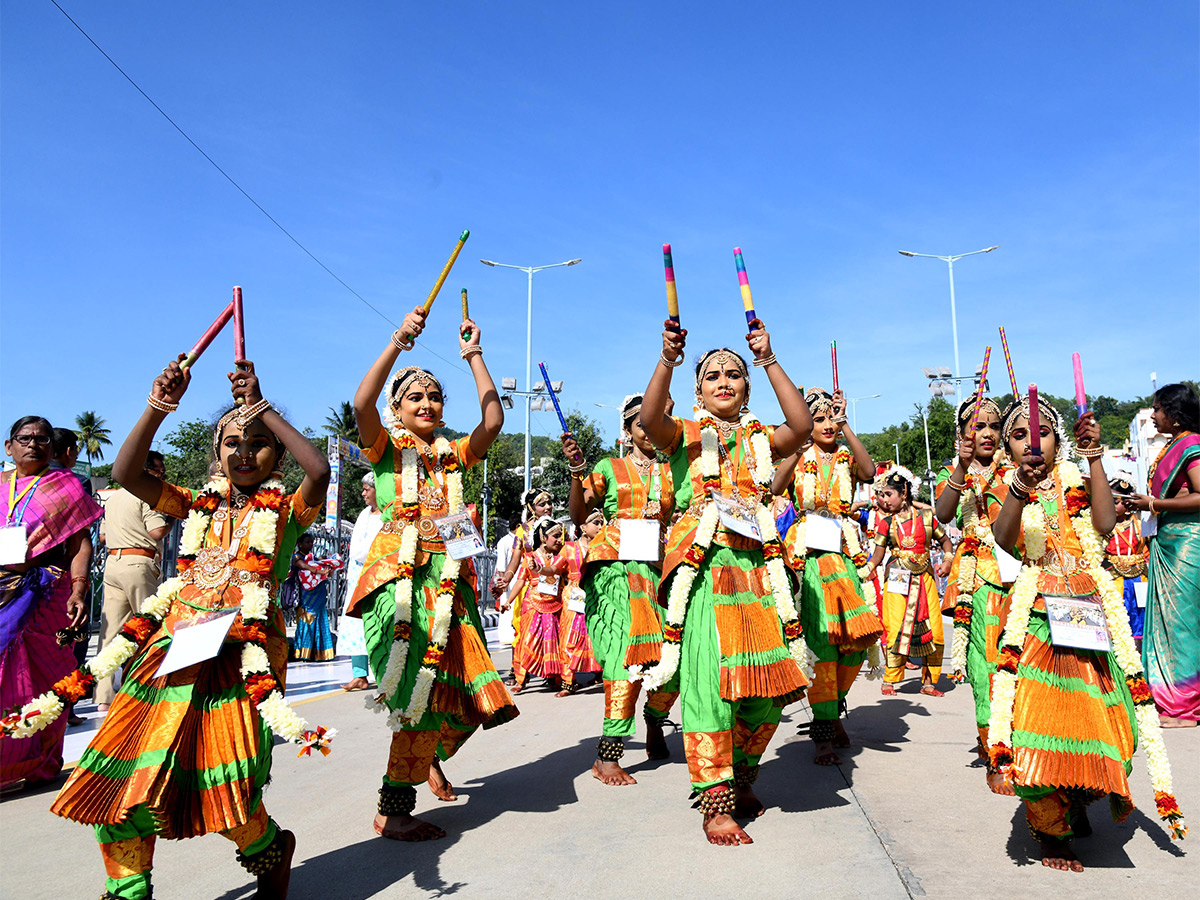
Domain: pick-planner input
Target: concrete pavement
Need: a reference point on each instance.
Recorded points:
(906, 815)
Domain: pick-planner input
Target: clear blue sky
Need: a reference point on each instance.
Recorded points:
(820, 138)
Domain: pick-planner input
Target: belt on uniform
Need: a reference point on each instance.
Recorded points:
(132, 551)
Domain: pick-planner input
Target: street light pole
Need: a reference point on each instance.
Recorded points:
(529, 270)
(853, 401)
(949, 260)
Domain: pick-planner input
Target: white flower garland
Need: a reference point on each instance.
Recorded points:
(708, 468)
(439, 631)
(1025, 591)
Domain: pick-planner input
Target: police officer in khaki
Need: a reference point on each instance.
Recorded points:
(132, 531)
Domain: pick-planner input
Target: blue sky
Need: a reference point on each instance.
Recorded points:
(821, 140)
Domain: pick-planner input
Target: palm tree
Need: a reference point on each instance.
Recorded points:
(92, 434)
(341, 422)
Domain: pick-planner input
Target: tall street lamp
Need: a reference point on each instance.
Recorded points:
(949, 260)
(529, 270)
(853, 401)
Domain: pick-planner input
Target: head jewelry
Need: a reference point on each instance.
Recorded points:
(722, 356)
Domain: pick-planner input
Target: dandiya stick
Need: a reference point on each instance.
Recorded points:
(1012, 377)
(208, 337)
(672, 294)
(462, 239)
(1080, 396)
(1035, 422)
(239, 332)
(833, 354)
(549, 390)
(744, 285)
(466, 333)
(987, 355)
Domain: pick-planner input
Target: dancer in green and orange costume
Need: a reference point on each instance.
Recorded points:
(189, 753)
(912, 613)
(418, 604)
(840, 626)
(535, 503)
(732, 631)
(965, 493)
(621, 594)
(1066, 719)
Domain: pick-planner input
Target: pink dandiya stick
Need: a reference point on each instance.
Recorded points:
(1035, 423)
(987, 355)
(1012, 377)
(239, 326)
(208, 337)
(1080, 396)
(744, 285)
(672, 293)
(833, 354)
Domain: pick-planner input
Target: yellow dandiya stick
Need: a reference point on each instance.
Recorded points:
(1012, 377)
(462, 239)
(987, 355)
(672, 293)
(466, 332)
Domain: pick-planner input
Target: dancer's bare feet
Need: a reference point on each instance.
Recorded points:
(611, 773)
(357, 683)
(656, 744)
(1172, 722)
(439, 784)
(841, 740)
(1057, 854)
(406, 828)
(746, 804)
(999, 783)
(824, 754)
(273, 885)
(722, 829)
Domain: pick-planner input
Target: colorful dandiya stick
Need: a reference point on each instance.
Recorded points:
(466, 332)
(1012, 376)
(672, 294)
(1080, 396)
(833, 353)
(462, 239)
(208, 337)
(744, 284)
(1035, 422)
(987, 355)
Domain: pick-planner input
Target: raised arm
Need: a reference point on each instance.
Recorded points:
(797, 420)
(946, 506)
(129, 468)
(366, 415)
(1104, 509)
(1007, 527)
(582, 499)
(307, 456)
(655, 420)
(491, 410)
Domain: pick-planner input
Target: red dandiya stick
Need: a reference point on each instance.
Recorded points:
(208, 337)
(833, 353)
(239, 326)
(1035, 422)
(987, 355)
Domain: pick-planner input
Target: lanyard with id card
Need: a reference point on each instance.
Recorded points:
(638, 539)
(14, 538)
(1077, 622)
(899, 579)
(736, 516)
(822, 533)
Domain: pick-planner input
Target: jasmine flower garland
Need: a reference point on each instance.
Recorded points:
(1072, 494)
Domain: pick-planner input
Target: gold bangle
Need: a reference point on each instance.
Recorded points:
(163, 406)
(668, 363)
(398, 342)
(1152, 512)
(765, 361)
(951, 483)
(470, 351)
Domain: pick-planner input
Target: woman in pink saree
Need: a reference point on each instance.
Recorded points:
(44, 560)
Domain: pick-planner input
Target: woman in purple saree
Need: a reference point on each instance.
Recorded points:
(1171, 636)
(44, 561)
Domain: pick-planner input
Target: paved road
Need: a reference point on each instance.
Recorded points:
(907, 815)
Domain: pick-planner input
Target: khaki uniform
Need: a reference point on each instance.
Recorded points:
(128, 579)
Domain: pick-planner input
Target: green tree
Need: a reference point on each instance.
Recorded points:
(187, 466)
(92, 434)
(340, 422)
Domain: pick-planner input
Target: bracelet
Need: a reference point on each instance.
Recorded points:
(249, 413)
(766, 361)
(399, 343)
(1090, 452)
(163, 406)
(470, 350)
(1152, 512)
(951, 483)
(1014, 491)
(668, 363)
(84, 578)
(840, 420)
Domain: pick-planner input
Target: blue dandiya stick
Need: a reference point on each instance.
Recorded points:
(549, 390)
(744, 285)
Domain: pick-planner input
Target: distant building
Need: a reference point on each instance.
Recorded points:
(1144, 445)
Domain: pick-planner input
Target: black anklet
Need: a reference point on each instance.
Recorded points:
(610, 749)
(744, 775)
(264, 860)
(397, 801)
(822, 731)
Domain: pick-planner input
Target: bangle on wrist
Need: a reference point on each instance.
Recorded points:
(399, 341)
(766, 361)
(163, 406)
(470, 350)
(1090, 453)
(1152, 512)
(954, 485)
(669, 363)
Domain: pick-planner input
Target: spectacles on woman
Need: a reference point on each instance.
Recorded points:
(25, 440)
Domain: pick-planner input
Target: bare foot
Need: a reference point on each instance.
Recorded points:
(563, 693)
(841, 740)
(656, 744)
(887, 689)
(407, 828)
(722, 829)
(517, 687)
(824, 754)
(611, 773)
(746, 804)
(1057, 855)
(439, 784)
(274, 884)
(356, 684)
(998, 783)
(1172, 722)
